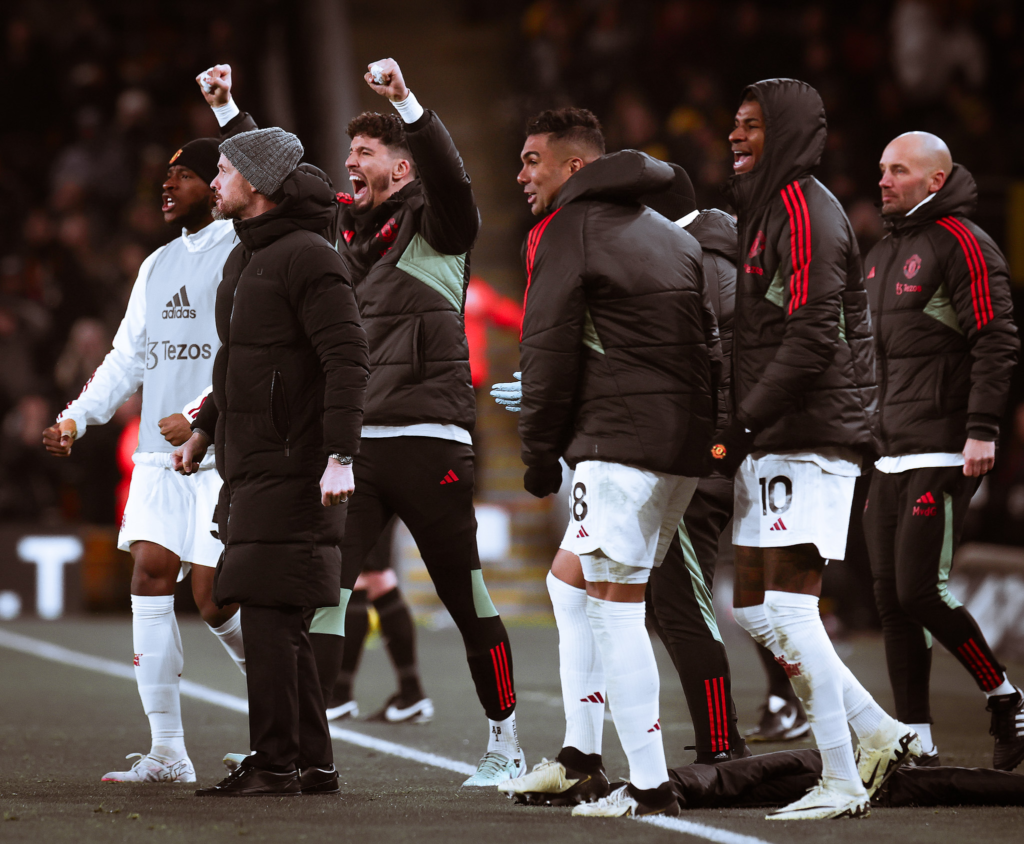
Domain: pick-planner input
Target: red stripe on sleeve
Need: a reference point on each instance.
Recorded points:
(532, 242)
(980, 313)
(793, 251)
(984, 292)
(799, 243)
(807, 238)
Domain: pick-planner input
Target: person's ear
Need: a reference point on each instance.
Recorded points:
(937, 180)
(401, 170)
(575, 165)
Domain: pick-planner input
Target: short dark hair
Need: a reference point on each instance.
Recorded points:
(579, 126)
(386, 128)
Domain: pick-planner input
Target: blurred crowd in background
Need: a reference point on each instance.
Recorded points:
(98, 96)
(96, 100)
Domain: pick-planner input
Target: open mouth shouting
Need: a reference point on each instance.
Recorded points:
(168, 203)
(359, 186)
(742, 160)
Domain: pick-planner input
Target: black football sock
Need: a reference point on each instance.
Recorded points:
(399, 632)
(778, 680)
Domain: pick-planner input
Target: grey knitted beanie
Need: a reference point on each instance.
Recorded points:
(264, 157)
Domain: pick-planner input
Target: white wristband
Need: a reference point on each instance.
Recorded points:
(225, 113)
(409, 109)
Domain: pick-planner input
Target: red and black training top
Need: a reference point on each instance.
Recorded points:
(947, 344)
(803, 357)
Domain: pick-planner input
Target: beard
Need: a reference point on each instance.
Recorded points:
(224, 209)
(377, 186)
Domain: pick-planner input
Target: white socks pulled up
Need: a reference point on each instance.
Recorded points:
(158, 664)
(579, 668)
(230, 635)
(862, 712)
(633, 686)
(816, 673)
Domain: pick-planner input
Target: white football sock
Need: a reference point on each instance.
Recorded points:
(503, 737)
(230, 635)
(756, 623)
(862, 712)
(579, 667)
(633, 686)
(924, 731)
(1004, 688)
(158, 664)
(816, 675)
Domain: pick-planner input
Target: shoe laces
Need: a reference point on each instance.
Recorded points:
(493, 762)
(617, 797)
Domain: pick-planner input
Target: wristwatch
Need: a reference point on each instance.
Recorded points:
(343, 459)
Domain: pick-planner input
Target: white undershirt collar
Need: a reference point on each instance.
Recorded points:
(207, 237)
(922, 202)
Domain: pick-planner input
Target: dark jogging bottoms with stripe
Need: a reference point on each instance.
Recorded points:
(681, 599)
(428, 483)
(912, 523)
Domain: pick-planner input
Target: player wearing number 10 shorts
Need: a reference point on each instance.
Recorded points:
(805, 418)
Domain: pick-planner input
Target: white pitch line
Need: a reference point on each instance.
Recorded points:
(112, 668)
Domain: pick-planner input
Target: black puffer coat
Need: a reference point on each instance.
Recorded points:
(288, 388)
(618, 334)
(803, 357)
(947, 345)
(715, 231)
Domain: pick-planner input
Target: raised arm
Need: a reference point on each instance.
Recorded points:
(451, 221)
(215, 83)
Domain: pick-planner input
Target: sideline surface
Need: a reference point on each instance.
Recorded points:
(197, 691)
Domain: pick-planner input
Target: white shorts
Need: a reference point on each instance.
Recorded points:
(174, 511)
(794, 499)
(623, 518)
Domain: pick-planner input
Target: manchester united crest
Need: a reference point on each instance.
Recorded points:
(913, 266)
(718, 451)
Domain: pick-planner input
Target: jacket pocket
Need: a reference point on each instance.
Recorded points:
(419, 363)
(279, 415)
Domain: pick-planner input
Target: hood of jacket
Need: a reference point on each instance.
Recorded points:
(676, 201)
(957, 197)
(621, 177)
(307, 204)
(794, 139)
(716, 232)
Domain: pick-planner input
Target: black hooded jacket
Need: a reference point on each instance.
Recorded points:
(288, 388)
(946, 341)
(618, 333)
(715, 231)
(803, 358)
(409, 260)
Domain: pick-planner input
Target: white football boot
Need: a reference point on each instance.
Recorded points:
(149, 768)
(881, 754)
(828, 799)
(495, 768)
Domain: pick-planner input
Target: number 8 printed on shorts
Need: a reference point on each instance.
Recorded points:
(770, 497)
(579, 506)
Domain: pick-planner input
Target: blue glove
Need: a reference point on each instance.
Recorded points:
(509, 395)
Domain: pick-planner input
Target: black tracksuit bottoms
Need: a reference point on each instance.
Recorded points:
(912, 523)
(680, 593)
(428, 483)
(287, 724)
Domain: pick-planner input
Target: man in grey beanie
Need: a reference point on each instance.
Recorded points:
(288, 388)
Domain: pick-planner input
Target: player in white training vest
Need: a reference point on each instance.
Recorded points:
(166, 344)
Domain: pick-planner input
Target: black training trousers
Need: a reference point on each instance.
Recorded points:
(287, 724)
(912, 523)
(680, 591)
(428, 483)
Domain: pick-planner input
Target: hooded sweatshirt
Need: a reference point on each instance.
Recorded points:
(946, 341)
(803, 358)
(618, 333)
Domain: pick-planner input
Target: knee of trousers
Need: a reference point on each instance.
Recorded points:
(479, 635)
(920, 600)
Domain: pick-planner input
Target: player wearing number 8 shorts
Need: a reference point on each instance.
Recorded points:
(617, 353)
(805, 418)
